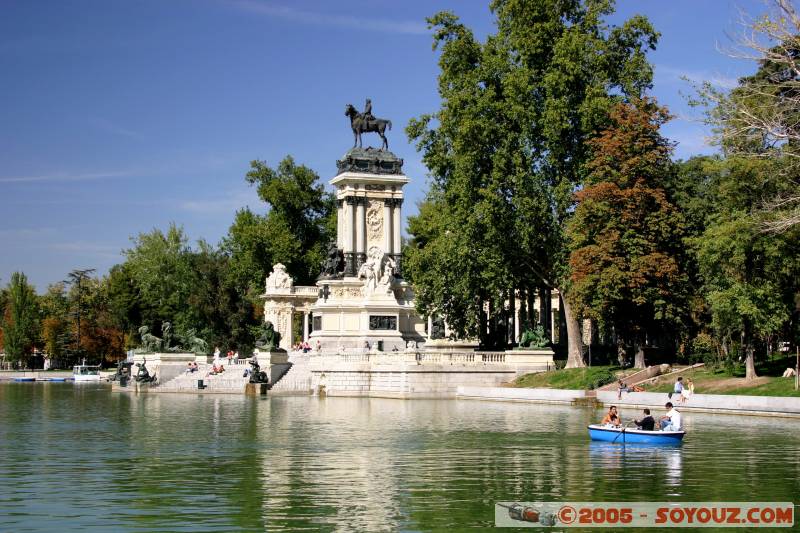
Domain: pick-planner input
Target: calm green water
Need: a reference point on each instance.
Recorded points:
(81, 458)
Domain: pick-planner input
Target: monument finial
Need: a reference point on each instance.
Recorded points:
(367, 123)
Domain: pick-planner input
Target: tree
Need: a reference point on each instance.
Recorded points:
(160, 266)
(20, 321)
(124, 300)
(626, 236)
(750, 279)
(295, 231)
(54, 308)
(507, 148)
(760, 118)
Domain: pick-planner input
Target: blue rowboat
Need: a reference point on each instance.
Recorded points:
(634, 436)
(24, 379)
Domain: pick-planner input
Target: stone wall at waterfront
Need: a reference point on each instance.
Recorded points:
(513, 394)
(414, 374)
(718, 403)
(715, 403)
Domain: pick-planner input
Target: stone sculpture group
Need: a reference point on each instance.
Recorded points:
(170, 342)
(377, 271)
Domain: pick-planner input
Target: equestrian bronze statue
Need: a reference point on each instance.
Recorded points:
(366, 123)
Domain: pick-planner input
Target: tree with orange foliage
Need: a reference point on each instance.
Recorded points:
(626, 235)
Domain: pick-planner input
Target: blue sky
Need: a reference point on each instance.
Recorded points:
(117, 117)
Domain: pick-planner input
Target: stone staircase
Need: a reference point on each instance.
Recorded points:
(231, 381)
(298, 379)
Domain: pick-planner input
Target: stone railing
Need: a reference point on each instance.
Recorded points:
(306, 291)
(492, 357)
(434, 358)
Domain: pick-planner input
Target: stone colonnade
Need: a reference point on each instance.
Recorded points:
(352, 228)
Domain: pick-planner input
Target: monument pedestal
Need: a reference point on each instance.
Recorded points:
(351, 313)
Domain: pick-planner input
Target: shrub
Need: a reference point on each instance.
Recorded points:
(601, 378)
(702, 346)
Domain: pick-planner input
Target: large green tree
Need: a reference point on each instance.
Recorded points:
(626, 236)
(160, 265)
(295, 230)
(508, 147)
(750, 278)
(21, 319)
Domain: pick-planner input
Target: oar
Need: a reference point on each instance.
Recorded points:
(622, 433)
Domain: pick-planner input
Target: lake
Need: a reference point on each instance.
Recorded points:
(79, 457)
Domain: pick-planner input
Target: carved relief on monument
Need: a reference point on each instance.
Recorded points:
(375, 222)
(347, 292)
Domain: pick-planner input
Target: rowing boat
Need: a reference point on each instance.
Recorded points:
(634, 436)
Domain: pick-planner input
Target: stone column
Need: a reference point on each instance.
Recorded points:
(388, 237)
(289, 331)
(305, 326)
(340, 224)
(517, 331)
(397, 225)
(350, 236)
(361, 229)
(430, 326)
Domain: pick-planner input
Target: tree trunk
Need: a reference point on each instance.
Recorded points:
(574, 337)
(638, 361)
(750, 363)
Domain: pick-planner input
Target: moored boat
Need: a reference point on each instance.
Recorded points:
(634, 436)
(86, 373)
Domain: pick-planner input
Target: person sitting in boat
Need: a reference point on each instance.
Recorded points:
(672, 420)
(611, 418)
(647, 423)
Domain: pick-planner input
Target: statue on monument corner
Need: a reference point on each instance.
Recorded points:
(333, 265)
(533, 337)
(366, 123)
(279, 278)
(269, 340)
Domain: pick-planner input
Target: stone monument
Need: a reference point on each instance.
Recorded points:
(366, 302)
(361, 299)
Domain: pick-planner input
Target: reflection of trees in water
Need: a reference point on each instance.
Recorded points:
(188, 460)
(373, 464)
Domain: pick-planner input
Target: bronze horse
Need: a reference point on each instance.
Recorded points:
(360, 125)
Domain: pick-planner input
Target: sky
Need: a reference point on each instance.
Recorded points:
(118, 117)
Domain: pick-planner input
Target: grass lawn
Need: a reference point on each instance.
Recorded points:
(572, 378)
(720, 382)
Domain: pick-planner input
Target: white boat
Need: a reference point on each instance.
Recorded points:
(86, 373)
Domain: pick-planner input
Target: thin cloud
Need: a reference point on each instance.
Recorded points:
(330, 19)
(66, 176)
(696, 76)
(109, 127)
(87, 248)
(227, 203)
(26, 232)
